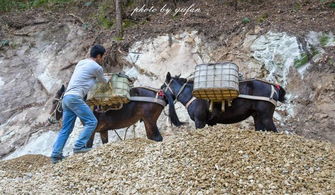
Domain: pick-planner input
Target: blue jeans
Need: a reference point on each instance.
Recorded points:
(74, 106)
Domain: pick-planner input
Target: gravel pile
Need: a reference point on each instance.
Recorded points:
(215, 160)
(24, 165)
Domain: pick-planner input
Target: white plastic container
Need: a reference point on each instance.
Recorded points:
(216, 82)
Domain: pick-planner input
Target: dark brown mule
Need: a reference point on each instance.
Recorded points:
(180, 89)
(129, 114)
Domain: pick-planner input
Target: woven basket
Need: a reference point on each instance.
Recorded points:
(216, 82)
(116, 91)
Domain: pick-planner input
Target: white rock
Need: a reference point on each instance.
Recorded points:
(1, 82)
(277, 51)
(49, 82)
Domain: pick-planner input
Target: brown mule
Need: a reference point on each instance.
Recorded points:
(129, 114)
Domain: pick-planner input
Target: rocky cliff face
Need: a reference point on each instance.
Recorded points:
(36, 64)
(33, 66)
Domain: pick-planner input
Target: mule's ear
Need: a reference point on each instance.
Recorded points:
(168, 77)
(62, 89)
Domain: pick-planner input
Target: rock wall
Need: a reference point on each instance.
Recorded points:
(33, 67)
(39, 65)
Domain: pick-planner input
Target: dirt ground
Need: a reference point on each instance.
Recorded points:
(215, 20)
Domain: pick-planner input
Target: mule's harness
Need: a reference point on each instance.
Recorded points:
(58, 106)
(52, 118)
(189, 102)
(268, 99)
(252, 97)
(155, 99)
(148, 99)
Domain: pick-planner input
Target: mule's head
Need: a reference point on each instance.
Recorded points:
(282, 94)
(171, 87)
(56, 111)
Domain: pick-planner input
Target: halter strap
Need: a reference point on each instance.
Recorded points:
(181, 90)
(168, 86)
(189, 102)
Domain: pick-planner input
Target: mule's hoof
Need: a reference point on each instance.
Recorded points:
(157, 138)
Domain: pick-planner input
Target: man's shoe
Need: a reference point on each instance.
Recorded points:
(57, 159)
(81, 150)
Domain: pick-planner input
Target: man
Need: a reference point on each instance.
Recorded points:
(85, 75)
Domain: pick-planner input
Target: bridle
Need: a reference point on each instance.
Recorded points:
(188, 103)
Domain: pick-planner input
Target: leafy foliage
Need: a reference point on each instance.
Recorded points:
(299, 62)
(103, 16)
(10, 5)
(324, 39)
(246, 20)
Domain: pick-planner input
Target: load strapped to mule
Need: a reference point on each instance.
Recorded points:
(217, 82)
(113, 94)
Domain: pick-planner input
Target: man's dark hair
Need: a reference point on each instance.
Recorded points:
(96, 50)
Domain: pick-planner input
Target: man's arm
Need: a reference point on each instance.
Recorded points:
(100, 75)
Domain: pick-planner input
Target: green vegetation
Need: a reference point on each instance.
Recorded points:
(176, 16)
(299, 62)
(304, 58)
(118, 38)
(246, 20)
(87, 4)
(324, 39)
(106, 16)
(104, 21)
(297, 6)
(129, 3)
(330, 4)
(126, 23)
(10, 5)
(262, 18)
(314, 51)
(103, 17)
(4, 43)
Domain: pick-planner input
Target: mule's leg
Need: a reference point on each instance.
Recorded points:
(211, 123)
(258, 123)
(199, 124)
(152, 130)
(269, 124)
(90, 141)
(266, 118)
(150, 118)
(104, 136)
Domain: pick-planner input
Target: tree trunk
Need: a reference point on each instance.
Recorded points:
(118, 19)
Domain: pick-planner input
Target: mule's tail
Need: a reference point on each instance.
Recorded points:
(172, 112)
(282, 94)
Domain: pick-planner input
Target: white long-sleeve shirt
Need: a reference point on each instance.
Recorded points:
(86, 73)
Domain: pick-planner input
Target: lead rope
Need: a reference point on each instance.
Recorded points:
(57, 107)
